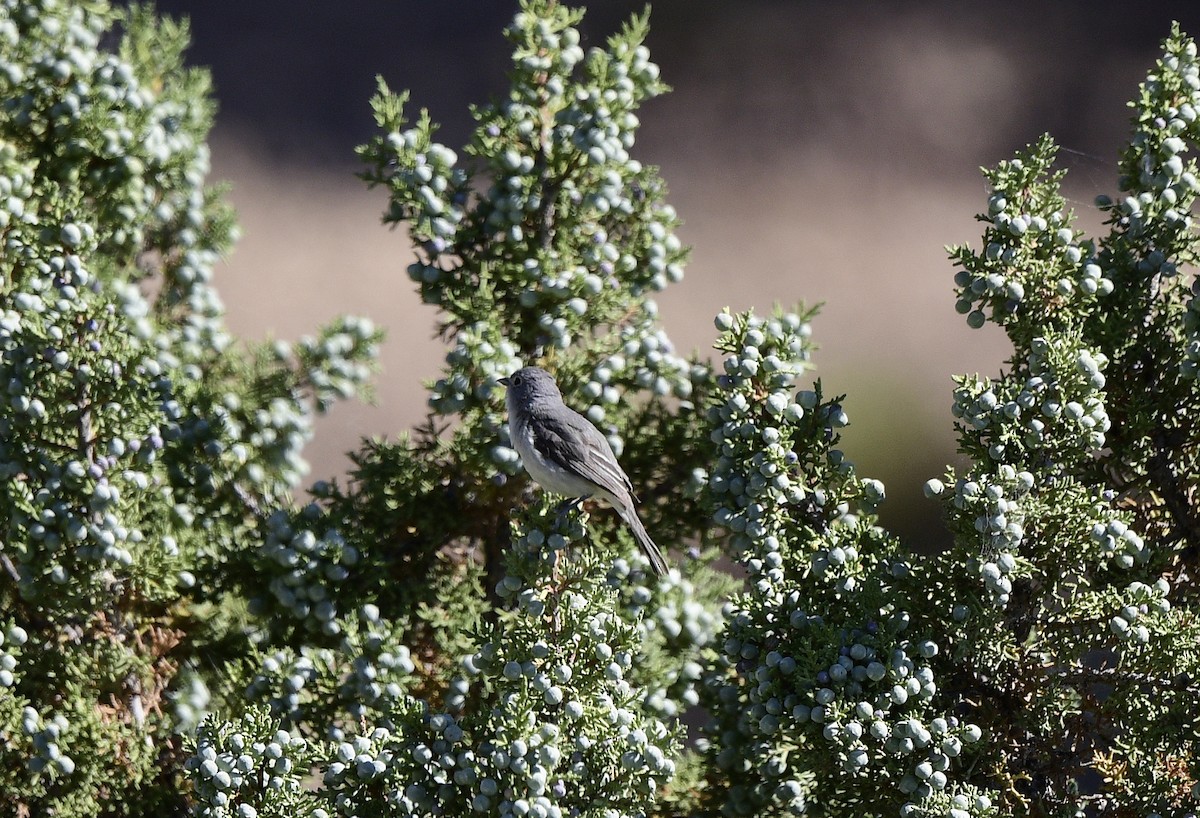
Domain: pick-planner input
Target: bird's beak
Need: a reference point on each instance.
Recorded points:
(504, 381)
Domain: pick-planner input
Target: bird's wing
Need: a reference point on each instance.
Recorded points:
(570, 439)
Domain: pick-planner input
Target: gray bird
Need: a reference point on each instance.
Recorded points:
(565, 454)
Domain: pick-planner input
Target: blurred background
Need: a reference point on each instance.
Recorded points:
(816, 151)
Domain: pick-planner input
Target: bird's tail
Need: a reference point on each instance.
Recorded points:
(630, 516)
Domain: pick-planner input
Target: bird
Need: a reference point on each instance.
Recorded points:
(566, 454)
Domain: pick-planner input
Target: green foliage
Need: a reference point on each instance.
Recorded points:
(249, 769)
(827, 685)
(139, 446)
(1045, 664)
(1091, 550)
(432, 637)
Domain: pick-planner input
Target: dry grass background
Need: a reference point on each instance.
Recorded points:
(817, 152)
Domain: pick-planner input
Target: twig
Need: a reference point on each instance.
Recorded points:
(1116, 676)
(10, 568)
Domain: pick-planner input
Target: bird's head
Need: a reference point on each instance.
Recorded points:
(530, 383)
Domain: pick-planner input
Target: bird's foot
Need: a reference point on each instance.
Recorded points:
(566, 506)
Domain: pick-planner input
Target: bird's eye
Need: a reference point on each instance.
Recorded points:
(516, 380)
